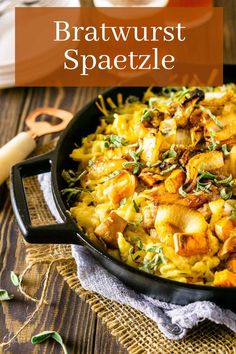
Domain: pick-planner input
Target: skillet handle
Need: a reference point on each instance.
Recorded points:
(58, 233)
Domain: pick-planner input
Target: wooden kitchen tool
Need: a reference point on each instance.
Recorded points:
(24, 143)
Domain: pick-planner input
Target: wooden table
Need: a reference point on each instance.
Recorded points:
(82, 330)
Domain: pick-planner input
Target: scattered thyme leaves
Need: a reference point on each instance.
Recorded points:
(214, 144)
(150, 266)
(137, 165)
(182, 192)
(41, 337)
(140, 245)
(225, 194)
(171, 153)
(147, 115)
(114, 141)
(4, 296)
(113, 174)
(169, 169)
(72, 177)
(179, 95)
(73, 194)
(15, 279)
(212, 116)
(206, 175)
(228, 181)
(135, 206)
(225, 150)
(122, 201)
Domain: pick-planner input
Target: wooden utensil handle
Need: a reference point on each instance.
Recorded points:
(15, 151)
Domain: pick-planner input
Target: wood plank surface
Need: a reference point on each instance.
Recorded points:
(79, 326)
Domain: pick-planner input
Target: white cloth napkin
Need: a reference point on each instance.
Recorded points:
(173, 320)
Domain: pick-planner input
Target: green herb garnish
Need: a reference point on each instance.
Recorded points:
(212, 116)
(135, 206)
(41, 337)
(137, 165)
(4, 296)
(72, 177)
(113, 174)
(225, 194)
(206, 174)
(114, 141)
(179, 95)
(214, 144)
(182, 192)
(169, 153)
(151, 266)
(122, 201)
(228, 181)
(15, 279)
(154, 249)
(225, 150)
(169, 169)
(203, 187)
(140, 245)
(73, 193)
(147, 115)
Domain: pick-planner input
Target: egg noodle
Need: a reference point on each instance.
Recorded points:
(155, 184)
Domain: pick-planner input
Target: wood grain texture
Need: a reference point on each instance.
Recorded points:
(78, 325)
(82, 331)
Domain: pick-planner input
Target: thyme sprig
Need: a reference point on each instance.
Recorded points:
(136, 208)
(15, 279)
(41, 337)
(225, 150)
(171, 153)
(150, 266)
(211, 178)
(214, 143)
(71, 177)
(73, 193)
(212, 116)
(225, 194)
(114, 141)
(5, 296)
(169, 169)
(137, 165)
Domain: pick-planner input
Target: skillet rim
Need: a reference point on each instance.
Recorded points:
(65, 214)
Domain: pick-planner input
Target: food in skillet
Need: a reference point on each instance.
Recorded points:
(156, 183)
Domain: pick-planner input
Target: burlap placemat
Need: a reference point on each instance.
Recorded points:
(137, 333)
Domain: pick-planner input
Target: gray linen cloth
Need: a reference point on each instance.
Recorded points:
(173, 320)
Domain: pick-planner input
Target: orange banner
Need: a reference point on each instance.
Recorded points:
(119, 46)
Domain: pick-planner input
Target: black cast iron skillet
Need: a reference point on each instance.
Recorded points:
(84, 123)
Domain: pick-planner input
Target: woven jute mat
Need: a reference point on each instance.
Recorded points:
(137, 333)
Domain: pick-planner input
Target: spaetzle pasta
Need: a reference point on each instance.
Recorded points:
(155, 185)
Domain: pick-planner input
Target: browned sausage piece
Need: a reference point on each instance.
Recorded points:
(109, 228)
(149, 216)
(190, 245)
